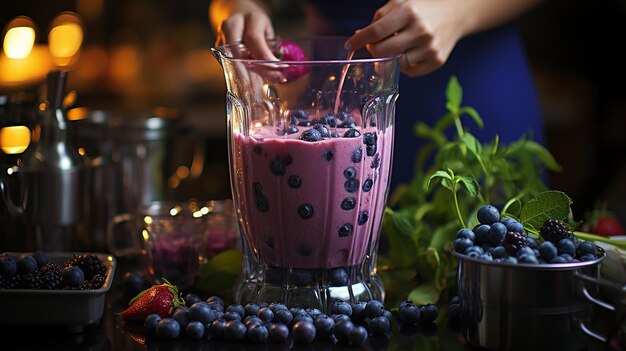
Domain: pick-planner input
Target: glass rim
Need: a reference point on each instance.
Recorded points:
(240, 44)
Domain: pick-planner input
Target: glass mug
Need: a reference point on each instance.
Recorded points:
(309, 203)
(175, 237)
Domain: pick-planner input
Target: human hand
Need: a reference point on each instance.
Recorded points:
(253, 27)
(423, 31)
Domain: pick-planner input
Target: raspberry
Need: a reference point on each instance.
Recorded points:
(554, 230)
(90, 264)
(514, 241)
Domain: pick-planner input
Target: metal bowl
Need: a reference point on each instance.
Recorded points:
(525, 306)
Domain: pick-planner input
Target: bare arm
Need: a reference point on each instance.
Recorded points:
(243, 20)
(426, 31)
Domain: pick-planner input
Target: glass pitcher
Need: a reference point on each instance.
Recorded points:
(310, 164)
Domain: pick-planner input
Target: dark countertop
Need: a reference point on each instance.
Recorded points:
(112, 334)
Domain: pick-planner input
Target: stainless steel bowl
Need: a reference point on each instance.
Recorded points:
(524, 306)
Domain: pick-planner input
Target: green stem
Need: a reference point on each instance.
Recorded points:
(458, 125)
(456, 204)
(592, 237)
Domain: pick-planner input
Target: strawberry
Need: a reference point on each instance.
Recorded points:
(290, 51)
(607, 226)
(159, 299)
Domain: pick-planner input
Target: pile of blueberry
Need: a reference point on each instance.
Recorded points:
(504, 240)
(318, 128)
(79, 272)
(348, 324)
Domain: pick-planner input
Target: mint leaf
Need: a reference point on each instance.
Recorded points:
(446, 179)
(474, 146)
(543, 154)
(399, 231)
(425, 294)
(546, 205)
(470, 184)
(512, 208)
(454, 95)
(219, 274)
(472, 113)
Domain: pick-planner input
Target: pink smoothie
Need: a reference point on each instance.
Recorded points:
(311, 204)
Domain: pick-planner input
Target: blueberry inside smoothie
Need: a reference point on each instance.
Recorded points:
(313, 196)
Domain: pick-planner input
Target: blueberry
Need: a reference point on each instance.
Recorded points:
(367, 185)
(292, 129)
(488, 215)
(357, 155)
(466, 233)
(8, 265)
(337, 317)
(351, 185)
(341, 307)
(496, 233)
(313, 312)
(474, 249)
(454, 311)
(349, 123)
(509, 259)
(345, 230)
(72, 276)
(283, 316)
(342, 330)
(547, 251)
(363, 216)
(310, 135)
(584, 248)
(258, 149)
(374, 309)
(482, 234)
(461, 245)
(327, 155)
(357, 336)
(216, 300)
(305, 124)
(194, 330)
(275, 306)
(329, 119)
(506, 221)
(217, 328)
(409, 314)
(191, 298)
(370, 138)
(566, 246)
(200, 311)
(567, 257)
(486, 256)
(525, 251)
(296, 311)
(375, 162)
(278, 332)
(41, 258)
(348, 203)
(499, 252)
(349, 173)
(387, 314)
(303, 332)
(182, 316)
(167, 329)
(558, 259)
(300, 114)
(251, 309)
(26, 264)
(234, 331)
(294, 181)
(358, 311)
(342, 116)
(265, 314)
(324, 132)
(302, 318)
(370, 150)
(278, 166)
(487, 248)
(515, 226)
(305, 211)
(258, 334)
(587, 257)
(379, 325)
(338, 277)
(429, 313)
(150, 323)
(257, 189)
(262, 204)
(324, 325)
(237, 308)
(531, 242)
(252, 320)
(528, 259)
(351, 133)
(302, 277)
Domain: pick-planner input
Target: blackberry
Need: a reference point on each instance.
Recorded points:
(554, 230)
(90, 264)
(9, 281)
(514, 241)
(97, 281)
(51, 276)
(30, 281)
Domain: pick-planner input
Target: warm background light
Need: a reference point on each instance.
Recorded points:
(18, 42)
(65, 38)
(14, 139)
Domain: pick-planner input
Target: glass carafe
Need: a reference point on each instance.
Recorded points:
(309, 170)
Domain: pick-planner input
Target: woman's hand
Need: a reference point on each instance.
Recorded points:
(423, 31)
(247, 22)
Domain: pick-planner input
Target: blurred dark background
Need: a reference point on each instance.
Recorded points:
(143, 54)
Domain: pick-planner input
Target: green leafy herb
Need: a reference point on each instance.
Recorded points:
(549, 204)
(219, 274)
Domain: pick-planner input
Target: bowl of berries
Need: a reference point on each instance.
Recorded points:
(54, 288)
(520, 291)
